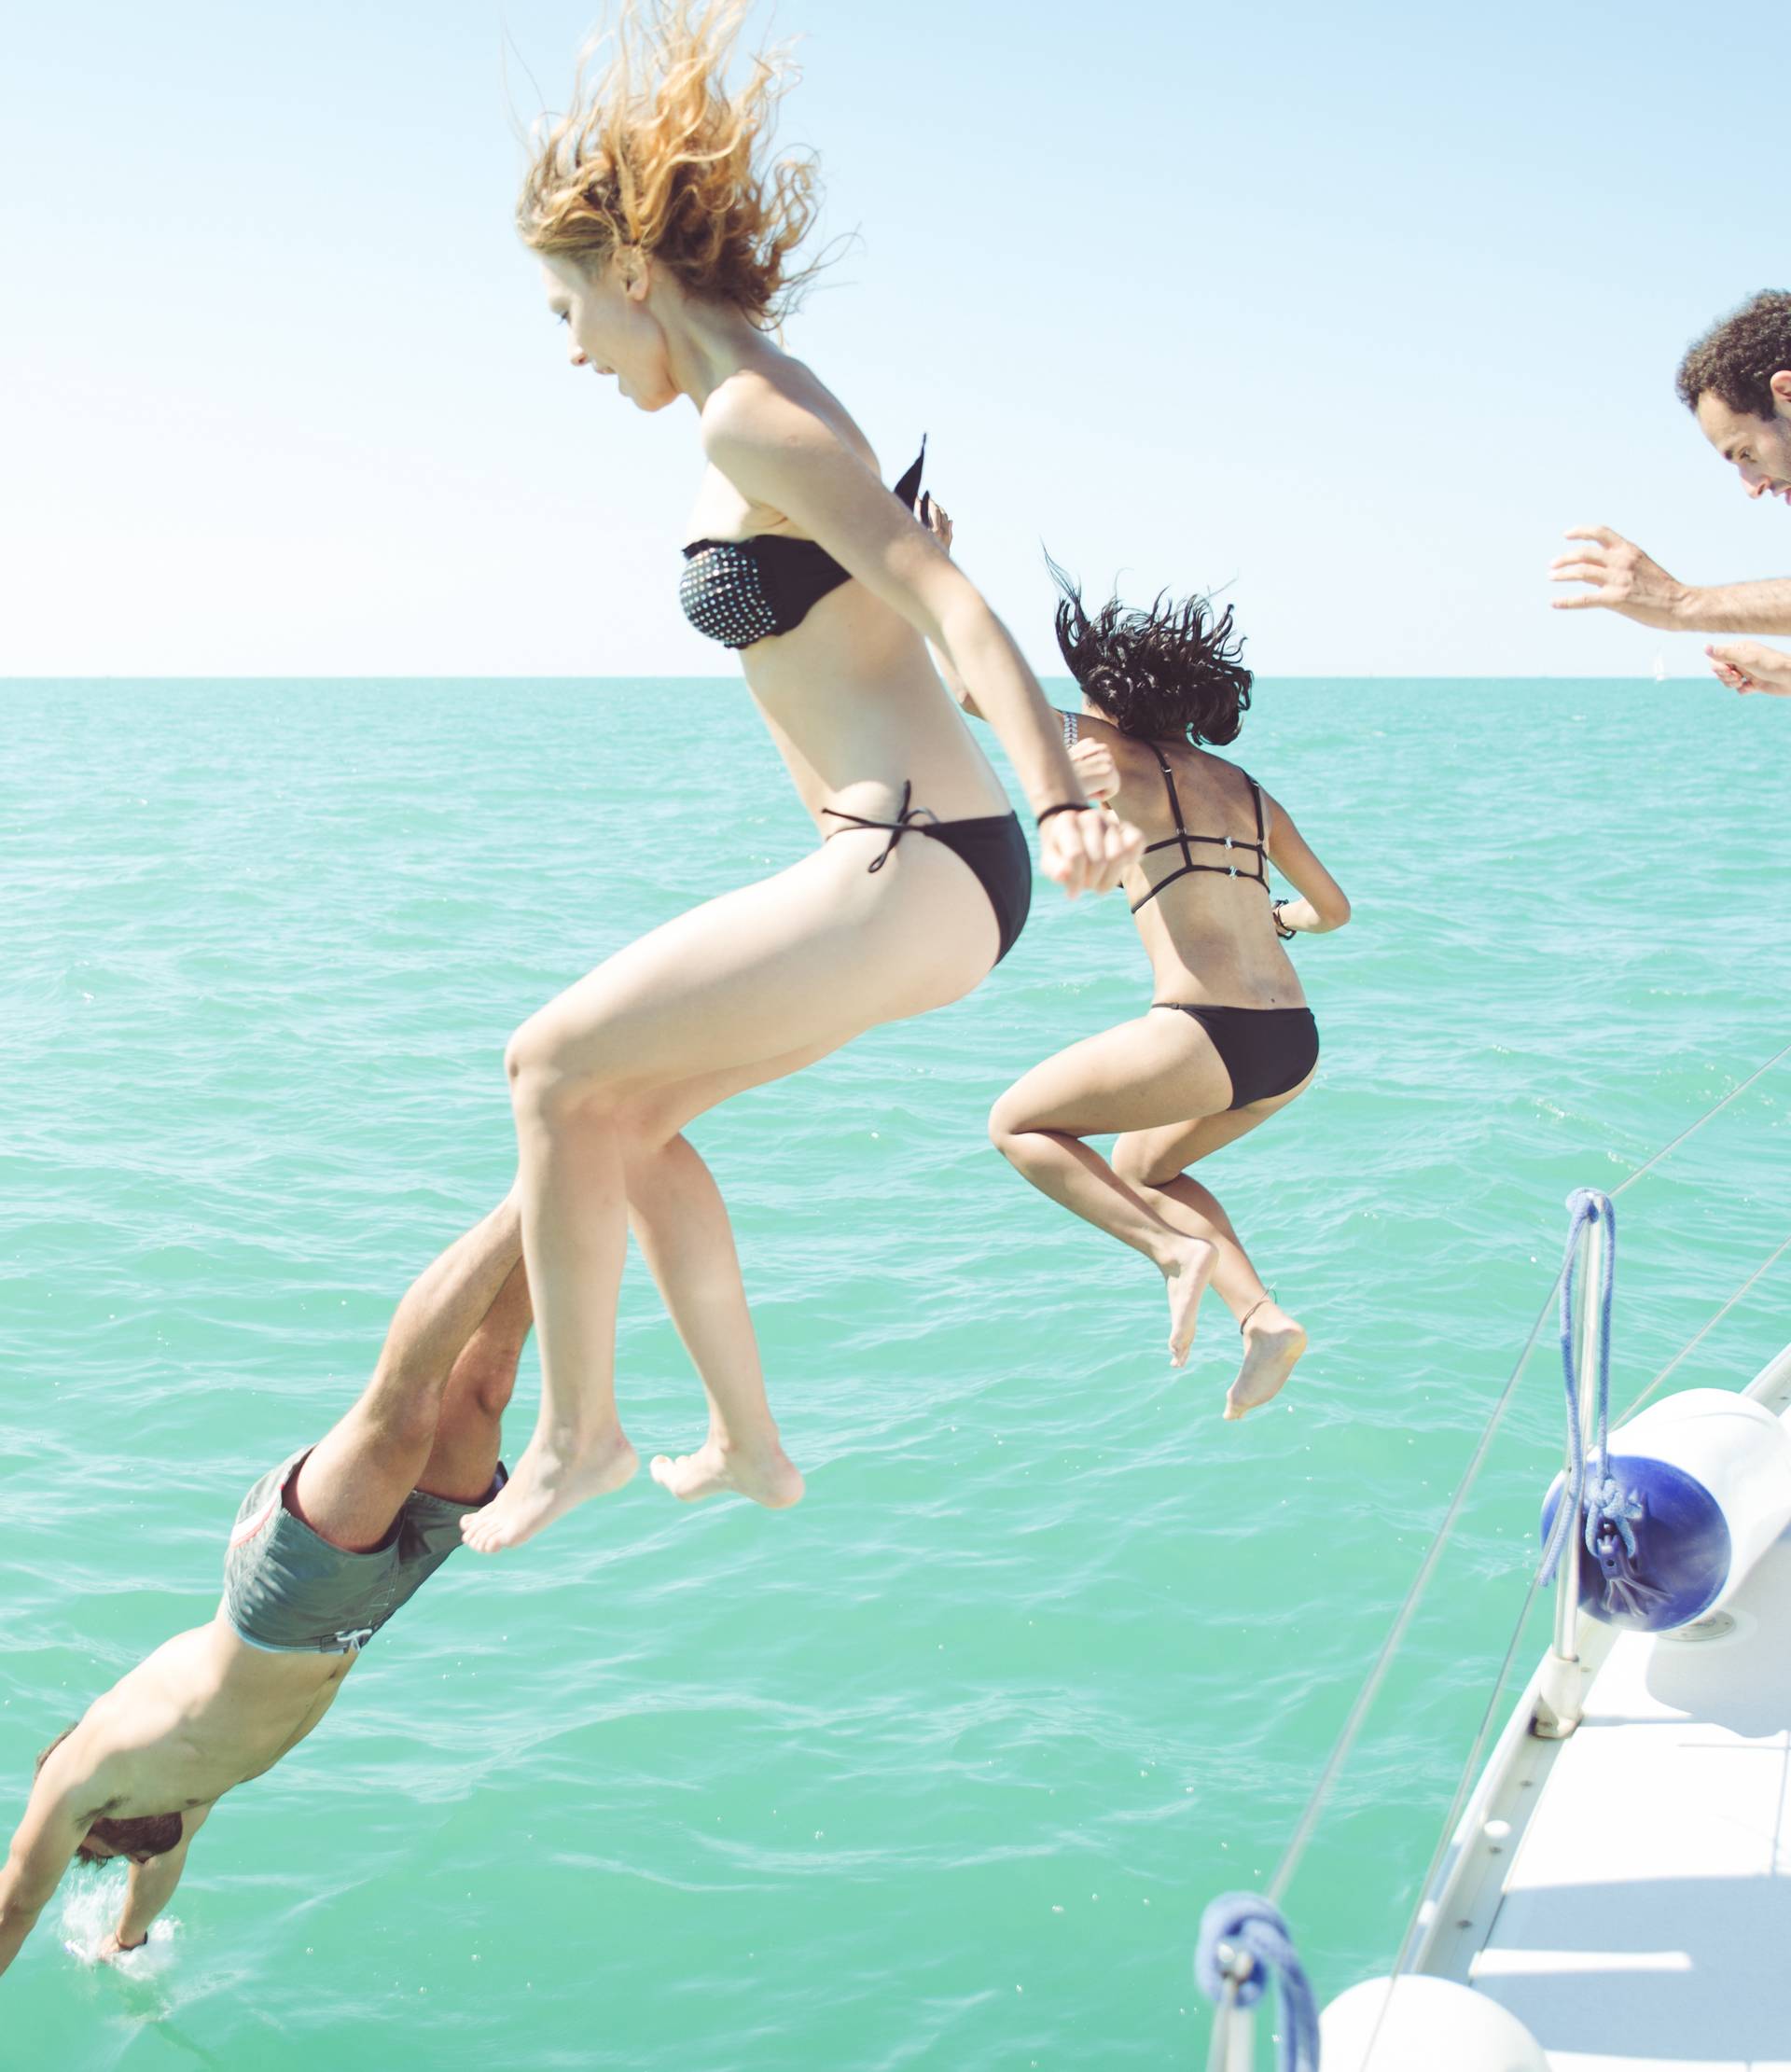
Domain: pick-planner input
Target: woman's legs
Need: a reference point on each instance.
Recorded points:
(1152, 1161)
(757, 982)
(1130, 1078)
(680, 1225)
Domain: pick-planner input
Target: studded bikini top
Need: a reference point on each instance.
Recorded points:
(740, 590)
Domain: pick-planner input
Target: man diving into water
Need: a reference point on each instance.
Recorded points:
(1736, 382)
(326, 1548)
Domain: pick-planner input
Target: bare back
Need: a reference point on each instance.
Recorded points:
(1209, 933)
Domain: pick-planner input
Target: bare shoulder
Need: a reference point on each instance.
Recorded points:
(761, 424)
(1136, 756)
(1137, 793)
(1270, 804)
(758, 410)
(1096, 728)
(1236, 779)
(1278, 820)
(749, 411)
(81, 1774)
(1133, 759)
(1126, 749)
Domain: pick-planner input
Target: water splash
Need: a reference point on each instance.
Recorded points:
(90, 1909)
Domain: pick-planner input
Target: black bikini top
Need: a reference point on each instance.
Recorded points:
(740, 590)
(1182, 840)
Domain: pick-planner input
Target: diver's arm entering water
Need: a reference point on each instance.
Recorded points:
(150, 1887)
(44, 1841)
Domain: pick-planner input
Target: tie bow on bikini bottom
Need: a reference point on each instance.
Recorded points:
(906, 816)
(990, 844)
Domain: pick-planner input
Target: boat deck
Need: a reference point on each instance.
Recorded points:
(1645, 1919)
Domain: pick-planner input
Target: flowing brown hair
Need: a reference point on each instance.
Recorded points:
(658, 156)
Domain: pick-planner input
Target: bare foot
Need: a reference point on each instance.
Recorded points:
(1187, 1278)
(549, 1479)
(768, 1474)
(1272, 1341)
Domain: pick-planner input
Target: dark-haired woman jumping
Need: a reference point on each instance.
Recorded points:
(1228, 1039)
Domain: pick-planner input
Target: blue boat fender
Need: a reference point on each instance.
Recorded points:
(1673, 1523)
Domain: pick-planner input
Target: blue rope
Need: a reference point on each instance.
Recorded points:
(1254, 1925)
(1592, 1493)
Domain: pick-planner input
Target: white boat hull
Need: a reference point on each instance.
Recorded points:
(1625, 1893)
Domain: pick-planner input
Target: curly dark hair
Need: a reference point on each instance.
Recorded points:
(1175, 671)
(139, 1836)
(1737, 358)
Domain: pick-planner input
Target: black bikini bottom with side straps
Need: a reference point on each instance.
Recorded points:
(993, 845)
(1267, 1051)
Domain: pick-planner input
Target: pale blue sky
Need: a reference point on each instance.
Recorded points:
(1354, 310)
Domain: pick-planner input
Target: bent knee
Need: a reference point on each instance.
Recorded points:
(1020, 1138)
(1133, 1160)
(649, 1124)
(1006, 1127)
(490, 1391)
(405, 1410)
(528, 1054)
(547, 1079)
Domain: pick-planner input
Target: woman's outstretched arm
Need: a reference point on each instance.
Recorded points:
(1096, 772)
(1324, 905)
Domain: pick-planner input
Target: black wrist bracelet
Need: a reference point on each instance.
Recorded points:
(1286, 933)
(1069, 805)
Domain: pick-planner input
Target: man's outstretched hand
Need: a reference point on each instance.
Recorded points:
(1621, 579)
(1747, 665)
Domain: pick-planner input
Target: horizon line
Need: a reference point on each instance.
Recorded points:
(436, 677)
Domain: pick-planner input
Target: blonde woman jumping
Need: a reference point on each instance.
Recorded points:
(667, 241)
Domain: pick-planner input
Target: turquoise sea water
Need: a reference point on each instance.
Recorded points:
(940, 1768)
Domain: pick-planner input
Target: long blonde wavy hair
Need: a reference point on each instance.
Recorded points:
(658, 156)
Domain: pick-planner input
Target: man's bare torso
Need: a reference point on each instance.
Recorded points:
(204, 1713)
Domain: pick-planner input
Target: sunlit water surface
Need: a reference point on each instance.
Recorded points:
(940, 1768)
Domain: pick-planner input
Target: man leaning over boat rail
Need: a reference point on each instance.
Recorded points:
(1736, 382)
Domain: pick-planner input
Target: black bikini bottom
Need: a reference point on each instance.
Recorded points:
(1267, 1051)
(993, 845)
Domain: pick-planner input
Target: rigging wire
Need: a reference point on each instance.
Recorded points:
(1301, 1838)
(1770, 1261)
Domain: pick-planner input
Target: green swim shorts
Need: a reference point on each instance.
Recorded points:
(287, 1590)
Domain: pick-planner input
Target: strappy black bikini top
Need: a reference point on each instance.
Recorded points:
(740, 590)
(1182, 840)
